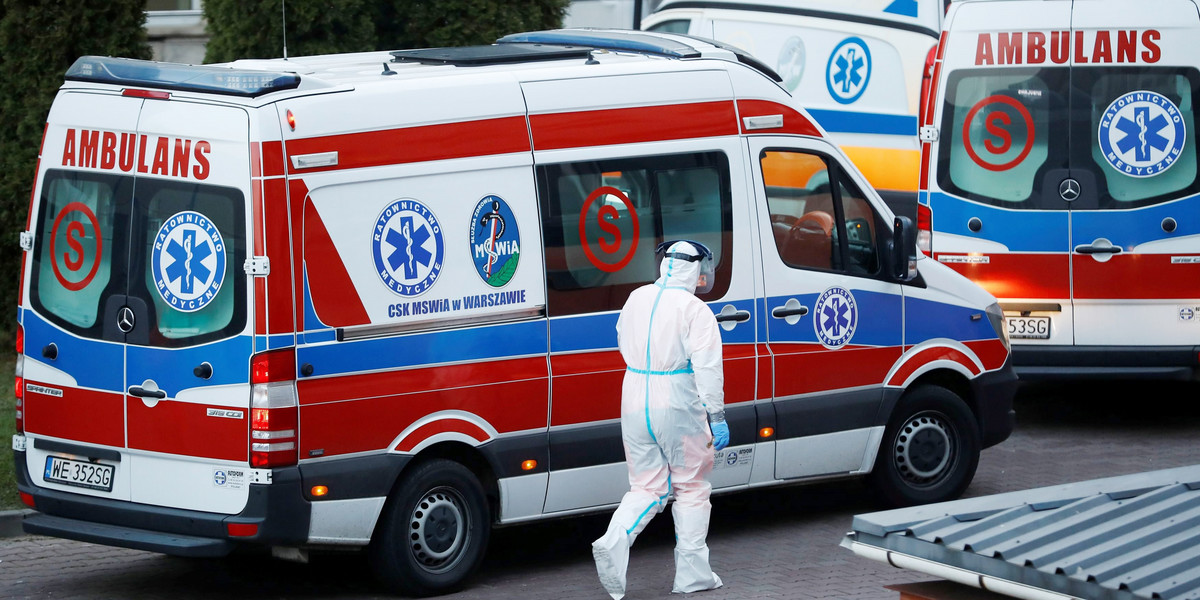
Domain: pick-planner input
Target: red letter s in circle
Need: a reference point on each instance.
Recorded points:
(1000, 132)
(607, 215)
(74, 235)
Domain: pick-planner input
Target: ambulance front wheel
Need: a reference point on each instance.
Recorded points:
(930, 449)
(433, 530)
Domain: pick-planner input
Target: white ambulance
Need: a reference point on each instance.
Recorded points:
(1060, 173)
(857, 66)
(369, 300)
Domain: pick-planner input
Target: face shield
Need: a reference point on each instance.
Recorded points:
(679, 250)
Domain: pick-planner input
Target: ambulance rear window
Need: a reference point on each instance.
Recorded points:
(1000, 129)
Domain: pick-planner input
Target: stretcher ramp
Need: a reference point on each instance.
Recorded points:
(1119, 538)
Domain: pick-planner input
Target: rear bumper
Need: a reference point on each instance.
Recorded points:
(167, 530)
(994, 392)
(1180, 363)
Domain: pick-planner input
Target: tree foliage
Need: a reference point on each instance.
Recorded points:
(39, 40)
(253, 29)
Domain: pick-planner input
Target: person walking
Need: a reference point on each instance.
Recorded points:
(672, 417)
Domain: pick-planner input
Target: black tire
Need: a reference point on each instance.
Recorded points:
(930, 449)
(433, 531)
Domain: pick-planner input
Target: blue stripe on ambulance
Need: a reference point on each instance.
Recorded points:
(928, 319)
(90, 362)
(879, 316)
(599, 332)
(844, 121)
(1018, 230)
(1129, 228)
(420, 349)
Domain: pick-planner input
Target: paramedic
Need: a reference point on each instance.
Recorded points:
(672, 416)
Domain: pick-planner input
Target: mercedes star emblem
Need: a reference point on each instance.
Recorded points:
(125, 319)
(1068, 189)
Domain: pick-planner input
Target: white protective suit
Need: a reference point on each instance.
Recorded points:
(673, 380)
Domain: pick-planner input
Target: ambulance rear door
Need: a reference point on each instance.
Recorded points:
(138, 303)
(998, 215)
(1135, 238)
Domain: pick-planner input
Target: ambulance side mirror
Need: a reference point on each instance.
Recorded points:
(903, 259)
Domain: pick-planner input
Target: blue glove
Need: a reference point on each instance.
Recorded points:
(720, 431)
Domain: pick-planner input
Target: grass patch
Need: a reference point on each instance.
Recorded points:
(8, 478)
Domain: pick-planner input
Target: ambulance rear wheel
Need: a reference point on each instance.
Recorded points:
(930, 449)
(433, 531)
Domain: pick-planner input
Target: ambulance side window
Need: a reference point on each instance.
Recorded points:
(603, 219)
(817, 226)
(1000, 129)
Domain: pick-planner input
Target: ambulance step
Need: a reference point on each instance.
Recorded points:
(127, 537)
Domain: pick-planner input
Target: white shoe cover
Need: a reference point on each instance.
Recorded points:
(692, 573)
(611, 553)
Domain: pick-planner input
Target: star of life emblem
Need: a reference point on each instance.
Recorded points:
(188, 261)
(407, 247)
(1142, 134)
(836, 317)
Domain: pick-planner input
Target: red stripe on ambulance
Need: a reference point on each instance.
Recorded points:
(817, 369)
(633, 125)
(929, 355)
(484, 137)
(1137, 276)
(329, 283)
(1007, 275)
(154, 155)
(79, 415)
(187, 429)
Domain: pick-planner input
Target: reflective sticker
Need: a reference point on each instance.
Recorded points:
(791, 62)
(407, 247)
(188, 261)
(1004, 121)
(729, 458)
(229, 479)
(495, 241)
(605, 229)
(1141, 134)
(849, 70)
(836, 318)
(76, 264)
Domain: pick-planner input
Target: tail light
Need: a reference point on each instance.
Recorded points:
(925, 229)
(926, 85)
(274, 412)
(19, 385)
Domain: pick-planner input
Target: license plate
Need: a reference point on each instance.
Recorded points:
(1028, 328)
(79, 473)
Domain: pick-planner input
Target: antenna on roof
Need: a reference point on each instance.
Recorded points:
(283, 12)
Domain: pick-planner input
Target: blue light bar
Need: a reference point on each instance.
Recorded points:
(172, 76)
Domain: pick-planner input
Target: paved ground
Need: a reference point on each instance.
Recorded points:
(779, 543)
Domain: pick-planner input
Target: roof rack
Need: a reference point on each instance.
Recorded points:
(171, 76)
(673, 46)
(473, 56)
(629, 41)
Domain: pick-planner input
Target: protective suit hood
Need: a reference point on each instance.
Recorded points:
(673, 272)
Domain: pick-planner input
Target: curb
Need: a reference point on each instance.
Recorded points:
(10, 522)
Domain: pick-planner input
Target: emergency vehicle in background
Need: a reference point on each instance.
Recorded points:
(368, 300)
(858, 66)
(1060, 173)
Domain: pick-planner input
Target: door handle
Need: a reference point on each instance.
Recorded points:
(1091, 249)
(783, 312)
(141, 392)
(737, 317)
